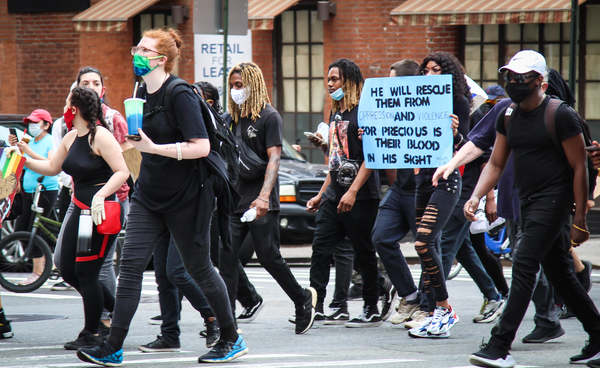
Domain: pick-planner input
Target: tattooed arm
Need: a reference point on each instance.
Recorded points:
(262, 202)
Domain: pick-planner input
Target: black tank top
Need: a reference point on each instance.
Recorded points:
(85, 167)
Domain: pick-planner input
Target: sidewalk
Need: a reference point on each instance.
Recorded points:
(300, 254)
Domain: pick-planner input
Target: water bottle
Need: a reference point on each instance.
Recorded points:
(84, 234)
(249, 215)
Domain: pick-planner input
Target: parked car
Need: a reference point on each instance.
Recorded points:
(299, 181)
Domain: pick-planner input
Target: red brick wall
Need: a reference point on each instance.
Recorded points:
(262, 55)
(8, 62)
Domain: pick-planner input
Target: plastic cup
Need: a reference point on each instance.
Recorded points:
(134, 111)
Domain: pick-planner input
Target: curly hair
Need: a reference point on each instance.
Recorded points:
(450, 65)
(258, 98)
(210, 92)
(352, 82)
(90, 108)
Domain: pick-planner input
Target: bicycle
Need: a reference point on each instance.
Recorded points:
(16, 249)
(497, 242)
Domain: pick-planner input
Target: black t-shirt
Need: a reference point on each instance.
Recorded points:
(405, 182)
(540, 166)
(351, 147)
(164, 183)
(264, 133)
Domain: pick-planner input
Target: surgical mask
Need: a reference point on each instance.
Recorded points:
(68, 117)
(34, 129)
(338, 94)
(239, 95)
(518, 92)
(141, 64)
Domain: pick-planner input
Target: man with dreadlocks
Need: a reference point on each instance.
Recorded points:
(257, 129)
(347, 206)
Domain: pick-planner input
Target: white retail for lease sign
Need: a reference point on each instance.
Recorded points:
(208, 56)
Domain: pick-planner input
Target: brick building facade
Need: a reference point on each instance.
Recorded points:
(40, 52)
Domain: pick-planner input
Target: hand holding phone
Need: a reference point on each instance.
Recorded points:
(14, 139)
(592, 148)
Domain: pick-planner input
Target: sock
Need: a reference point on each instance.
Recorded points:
(229, 333)
(412, 297)
(116, 337)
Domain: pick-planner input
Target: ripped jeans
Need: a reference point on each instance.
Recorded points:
(434, 206)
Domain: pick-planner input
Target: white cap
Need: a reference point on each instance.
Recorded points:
(526, 61)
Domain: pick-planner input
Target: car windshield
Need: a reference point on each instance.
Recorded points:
(289, 153)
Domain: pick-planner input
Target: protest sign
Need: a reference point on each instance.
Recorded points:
(406, 121)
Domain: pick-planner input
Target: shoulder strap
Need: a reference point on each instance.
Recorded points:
(550, 119)
(508, 114)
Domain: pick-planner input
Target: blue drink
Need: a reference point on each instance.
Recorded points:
(134, 111)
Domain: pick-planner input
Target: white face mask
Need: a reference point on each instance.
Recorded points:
(239, 95)
(34, 129)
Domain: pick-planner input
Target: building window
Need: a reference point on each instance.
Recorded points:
(299, 76)
(592, 60)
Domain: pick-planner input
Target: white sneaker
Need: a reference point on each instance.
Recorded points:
(442, 321)
(421, 330)
(493, 309)
(404, 312)
(479, 317)
(417, 319)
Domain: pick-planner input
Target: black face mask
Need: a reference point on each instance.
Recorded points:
(518, 92)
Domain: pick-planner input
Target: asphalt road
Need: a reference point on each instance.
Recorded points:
(44, 320)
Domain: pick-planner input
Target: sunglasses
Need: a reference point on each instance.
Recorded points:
(520, 78)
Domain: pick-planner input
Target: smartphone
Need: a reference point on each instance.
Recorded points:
(12, 131)
(134, 137)
(592, 148)
(311, 135)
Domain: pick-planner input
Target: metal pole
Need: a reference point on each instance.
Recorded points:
(225, 31)
(573, 44)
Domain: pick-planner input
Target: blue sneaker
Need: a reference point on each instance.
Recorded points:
(104, 355)
(225, 351)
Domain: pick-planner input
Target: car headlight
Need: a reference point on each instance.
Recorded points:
(287, 193)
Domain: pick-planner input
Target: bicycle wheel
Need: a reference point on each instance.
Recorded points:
(16, 265)
(455, 270)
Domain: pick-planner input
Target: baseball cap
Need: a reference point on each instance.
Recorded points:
(494, 92)
(526, 61)
(38, 115)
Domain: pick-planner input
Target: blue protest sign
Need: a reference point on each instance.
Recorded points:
(406, 121)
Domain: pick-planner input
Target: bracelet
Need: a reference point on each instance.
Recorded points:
(264, 200)
(178, 148)
(574, 243)
(580, 229)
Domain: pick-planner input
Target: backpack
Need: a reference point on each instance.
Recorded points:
(224, 154)
(550, 123)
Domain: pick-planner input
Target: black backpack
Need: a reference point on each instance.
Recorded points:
(224, 154)
(550, 123)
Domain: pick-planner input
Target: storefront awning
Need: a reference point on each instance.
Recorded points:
(261, 13)
(459, 12)
(110, 15)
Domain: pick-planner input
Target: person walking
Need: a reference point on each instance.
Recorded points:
(550, 178)
(257, 129)
(171, 143)
(91, 155)
(346, 205)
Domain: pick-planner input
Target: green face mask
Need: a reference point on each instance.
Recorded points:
(141, 64)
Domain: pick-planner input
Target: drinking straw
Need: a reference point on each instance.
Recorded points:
(135, 88)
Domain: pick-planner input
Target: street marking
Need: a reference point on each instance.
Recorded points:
(41, 296)
(34, 348)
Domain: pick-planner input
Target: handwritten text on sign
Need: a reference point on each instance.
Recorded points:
(406, 121)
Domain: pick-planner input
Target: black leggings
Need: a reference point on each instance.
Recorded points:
(82, 272)
(490, 262)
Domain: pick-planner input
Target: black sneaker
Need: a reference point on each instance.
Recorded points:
(61, 286)
(305, 312)
(249, 314)
(540, 335)
(156, 320)
(86, 339)
(591, 351)
(489, 356)
(369, 318)
(160, 345)
(319, 314)
(104, 354)
(212, 333)
(5, 330)
(387, 301)
(339, 316)
(593, 363)
(103, 330)
(225, 351)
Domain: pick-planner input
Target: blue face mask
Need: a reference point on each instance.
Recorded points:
(338, 94)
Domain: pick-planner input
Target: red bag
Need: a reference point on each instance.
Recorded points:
(112, 209)
(112, 224)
